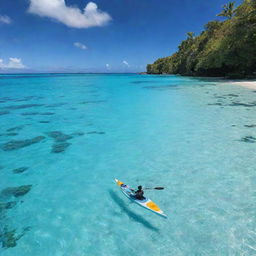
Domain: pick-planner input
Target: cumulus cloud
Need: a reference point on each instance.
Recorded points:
(14, 63)
(5, 19)
(126, 63)
(80, 45)
(90, 16)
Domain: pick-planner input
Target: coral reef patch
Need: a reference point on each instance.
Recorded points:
(20, 170)
(249, 139)
(17, 144)
(60, 147)
(15, 191)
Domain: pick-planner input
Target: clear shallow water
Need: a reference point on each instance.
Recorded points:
(185, 134)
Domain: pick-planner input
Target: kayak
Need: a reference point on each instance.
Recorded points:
(146, 202)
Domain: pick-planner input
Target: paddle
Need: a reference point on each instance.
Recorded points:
(157, 188)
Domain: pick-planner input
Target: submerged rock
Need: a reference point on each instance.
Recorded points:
(252, 104)
(37, 113)
(47, 113)
(20, 170)
(16, 128)
(60, 139)
(54, 134)
(60, 147)
(8, 205)
(232, 95)
(17, 144)
(215, 104)
(249, 139)
(44, 122)
(77, 134)
(9, 237)
(16, 191)
(11, 134)
(59, 136)
(30, 113)
(250, 125)
(95, 132)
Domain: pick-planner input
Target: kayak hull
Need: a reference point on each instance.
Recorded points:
(145, 203)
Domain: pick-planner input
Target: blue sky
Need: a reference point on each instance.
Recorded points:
(109, 36)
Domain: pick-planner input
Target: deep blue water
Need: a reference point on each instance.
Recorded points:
(65, 137)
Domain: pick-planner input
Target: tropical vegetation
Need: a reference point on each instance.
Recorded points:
(225, 48)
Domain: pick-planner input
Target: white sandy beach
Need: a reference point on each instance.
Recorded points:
(248, 84)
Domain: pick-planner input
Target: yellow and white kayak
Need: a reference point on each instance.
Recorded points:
(146, 202)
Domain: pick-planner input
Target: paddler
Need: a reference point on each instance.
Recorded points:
(139, 193)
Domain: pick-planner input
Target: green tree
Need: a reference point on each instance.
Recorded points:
(224, 48)
(228, 10)
(190, 35)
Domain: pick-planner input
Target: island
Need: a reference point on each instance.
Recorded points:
(224, 49)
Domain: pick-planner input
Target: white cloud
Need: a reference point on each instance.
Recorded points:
(107, 66)
(90, 16)
(5, 19)
(126, 63)
(80, 45)
(14, 63)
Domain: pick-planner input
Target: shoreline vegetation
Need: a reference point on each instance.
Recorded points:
(224, 49)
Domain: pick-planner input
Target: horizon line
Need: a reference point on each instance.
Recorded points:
(29, 73)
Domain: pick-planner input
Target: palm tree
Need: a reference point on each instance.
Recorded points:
(228, 10)
(190, 35)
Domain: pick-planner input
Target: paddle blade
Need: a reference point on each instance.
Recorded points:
(158, 188)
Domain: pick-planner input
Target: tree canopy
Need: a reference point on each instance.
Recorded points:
(224, 48)
(228, 10)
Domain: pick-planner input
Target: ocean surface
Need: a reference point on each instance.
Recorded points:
(65, 137)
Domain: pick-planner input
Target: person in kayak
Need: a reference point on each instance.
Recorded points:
(139, 193)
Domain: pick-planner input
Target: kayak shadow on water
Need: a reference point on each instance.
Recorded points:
(134, 216)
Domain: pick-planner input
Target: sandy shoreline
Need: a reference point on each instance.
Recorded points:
(248, 84)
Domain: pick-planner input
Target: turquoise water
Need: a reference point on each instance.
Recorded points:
(195, 137)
